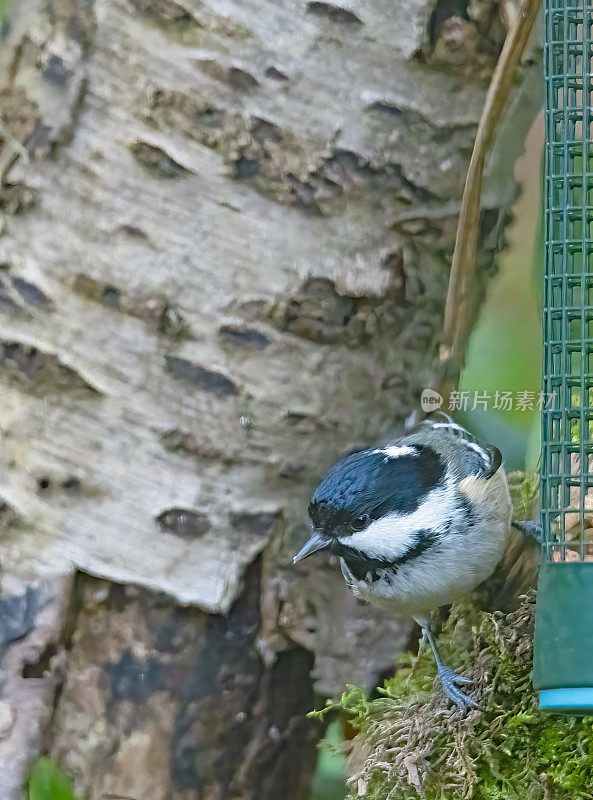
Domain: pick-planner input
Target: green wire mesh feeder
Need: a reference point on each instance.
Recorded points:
(563, 657)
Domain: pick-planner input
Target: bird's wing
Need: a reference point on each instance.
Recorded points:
(471, 456)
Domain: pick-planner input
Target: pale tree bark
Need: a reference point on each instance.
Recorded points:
(226, 237)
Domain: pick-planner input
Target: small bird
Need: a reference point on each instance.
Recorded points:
(416, 524)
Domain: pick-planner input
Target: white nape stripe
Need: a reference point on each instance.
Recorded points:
(453, 425)
(482, 453)
(392, 536)
(394, 451)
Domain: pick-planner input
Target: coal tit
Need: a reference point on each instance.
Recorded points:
(416, 523)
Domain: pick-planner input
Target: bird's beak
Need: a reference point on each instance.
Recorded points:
(315, 543)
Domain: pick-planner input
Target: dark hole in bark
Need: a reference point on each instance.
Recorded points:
(444, 10)
(29, 292)
(72, 485)
(38, 668)
(244, 337)
(184, 523)
(276, 74)
(207, 379)
(43, 484)
(241, 79)
(246, 168)
(333, 13)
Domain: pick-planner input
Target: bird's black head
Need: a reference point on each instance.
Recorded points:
(368, 485)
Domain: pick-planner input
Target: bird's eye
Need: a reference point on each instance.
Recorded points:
(359, 523)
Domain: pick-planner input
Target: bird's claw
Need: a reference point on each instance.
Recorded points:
(450, 682)
(530, 528)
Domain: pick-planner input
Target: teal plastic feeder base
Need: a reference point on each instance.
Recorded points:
(567, 701)
(563, 647)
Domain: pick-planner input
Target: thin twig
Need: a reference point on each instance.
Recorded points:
(509, 14)
(459, 305)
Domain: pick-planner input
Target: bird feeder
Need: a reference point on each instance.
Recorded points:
(563, 653)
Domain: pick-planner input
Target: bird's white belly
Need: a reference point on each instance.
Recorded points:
(452, 567)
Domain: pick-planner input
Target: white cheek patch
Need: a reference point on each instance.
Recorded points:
(383, 538)
(392, 536)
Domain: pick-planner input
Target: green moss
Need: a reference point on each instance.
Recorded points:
(411, 743)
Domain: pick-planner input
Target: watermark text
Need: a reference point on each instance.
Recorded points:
(520, 400)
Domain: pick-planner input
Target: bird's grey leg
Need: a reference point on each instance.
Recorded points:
(531, 528)
(449, 680)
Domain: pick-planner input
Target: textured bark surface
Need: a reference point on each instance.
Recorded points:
(32, 620)
(188, 696)
(225, 245)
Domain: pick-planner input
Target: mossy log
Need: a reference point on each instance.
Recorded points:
(412, 744)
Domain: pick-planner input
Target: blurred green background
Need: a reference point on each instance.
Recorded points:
(504, 351)
(329, 782)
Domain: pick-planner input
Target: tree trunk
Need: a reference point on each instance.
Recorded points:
(226, 237)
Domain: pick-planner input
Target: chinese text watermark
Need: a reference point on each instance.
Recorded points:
(520, 400)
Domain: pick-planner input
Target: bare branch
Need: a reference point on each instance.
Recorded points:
(459, 304)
